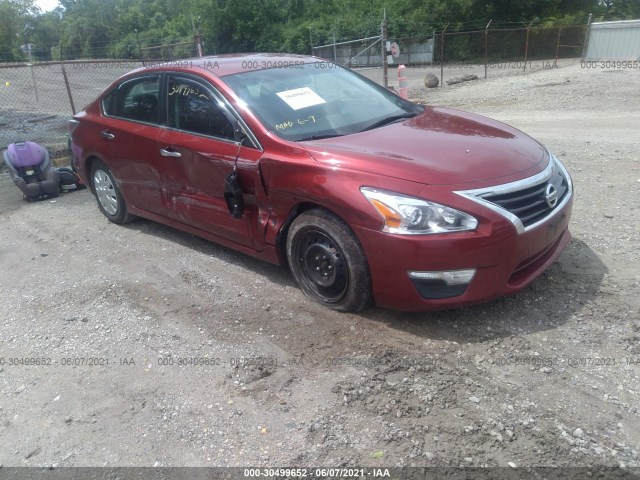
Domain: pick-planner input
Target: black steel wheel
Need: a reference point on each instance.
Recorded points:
(328, 262)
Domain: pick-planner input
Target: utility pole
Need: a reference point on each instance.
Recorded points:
(138, 43)
(196, 38)
(335, 52)
(385, 63)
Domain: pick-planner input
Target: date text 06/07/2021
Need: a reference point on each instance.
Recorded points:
(355, 472)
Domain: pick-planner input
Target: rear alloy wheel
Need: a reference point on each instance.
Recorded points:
(110, 200)
(328, 262)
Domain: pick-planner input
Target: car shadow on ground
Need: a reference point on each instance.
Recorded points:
(275, 273)
(550, 301)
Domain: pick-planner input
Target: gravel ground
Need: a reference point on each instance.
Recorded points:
(549, 377)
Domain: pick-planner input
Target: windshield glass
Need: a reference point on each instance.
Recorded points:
(318, 100)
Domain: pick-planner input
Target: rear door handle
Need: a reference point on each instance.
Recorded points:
(106, 134)
(169, 152)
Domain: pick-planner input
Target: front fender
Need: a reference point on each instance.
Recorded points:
(295, 187)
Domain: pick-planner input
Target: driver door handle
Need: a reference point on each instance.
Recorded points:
(169, 152)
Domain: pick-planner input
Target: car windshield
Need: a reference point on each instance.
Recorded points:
(318, 100)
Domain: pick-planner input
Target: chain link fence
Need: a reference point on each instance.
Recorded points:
(458, 56)
(360, 53)
(37, 100)
(453, 56)
(170, 52)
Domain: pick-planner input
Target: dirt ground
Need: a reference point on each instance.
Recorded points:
(162, 349)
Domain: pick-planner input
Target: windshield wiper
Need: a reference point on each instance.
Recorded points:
(388, 120)
(319, 137)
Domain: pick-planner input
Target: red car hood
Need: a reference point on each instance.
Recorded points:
(439, 147)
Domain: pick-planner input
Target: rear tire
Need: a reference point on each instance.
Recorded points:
(110, 201)
(327, 261)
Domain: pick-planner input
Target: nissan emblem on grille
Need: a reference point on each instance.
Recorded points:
(551, 195)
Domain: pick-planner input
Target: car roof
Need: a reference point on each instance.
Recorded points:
(229, 64)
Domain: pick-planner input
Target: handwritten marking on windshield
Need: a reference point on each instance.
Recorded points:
(299, 121)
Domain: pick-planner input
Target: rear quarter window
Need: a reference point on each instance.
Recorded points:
(135, 99)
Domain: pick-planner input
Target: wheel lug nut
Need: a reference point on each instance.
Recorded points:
(317, 258)
(330, 267)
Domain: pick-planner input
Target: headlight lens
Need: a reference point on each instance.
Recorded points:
(414, 216)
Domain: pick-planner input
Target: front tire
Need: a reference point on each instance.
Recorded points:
(110, 200)
(327, 261)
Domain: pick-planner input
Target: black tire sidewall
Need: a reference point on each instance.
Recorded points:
(357, 296)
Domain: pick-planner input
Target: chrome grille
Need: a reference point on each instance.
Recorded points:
(529, 202)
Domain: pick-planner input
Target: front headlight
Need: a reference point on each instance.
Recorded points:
(414, 216)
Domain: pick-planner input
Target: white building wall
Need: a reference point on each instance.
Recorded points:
(614, 41)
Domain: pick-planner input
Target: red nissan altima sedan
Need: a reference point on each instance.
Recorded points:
(295, 160)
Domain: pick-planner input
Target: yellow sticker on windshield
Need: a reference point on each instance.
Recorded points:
(301, 98)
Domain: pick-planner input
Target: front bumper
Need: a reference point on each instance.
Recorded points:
(505, 261)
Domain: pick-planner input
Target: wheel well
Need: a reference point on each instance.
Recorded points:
(296, 211)
(281, 238)
(88, 166)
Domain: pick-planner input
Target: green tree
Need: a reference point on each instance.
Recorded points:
(45, 34)
(8, 31)
(121, 28)
(15, 23)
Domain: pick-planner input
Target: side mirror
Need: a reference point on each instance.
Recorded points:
(233, 195)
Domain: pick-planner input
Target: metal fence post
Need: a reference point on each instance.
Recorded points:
(433, 47)
(526, 46)
(586, 38)
(66, 83)
(335, 52)
(33, 80)
(442, 54)
(486, 47)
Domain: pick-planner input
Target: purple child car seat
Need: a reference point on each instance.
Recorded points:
(30, 167)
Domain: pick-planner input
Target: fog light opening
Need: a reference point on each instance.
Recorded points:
(450, 277)
(441, 284)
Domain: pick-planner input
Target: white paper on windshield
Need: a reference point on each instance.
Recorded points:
(301, 98)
